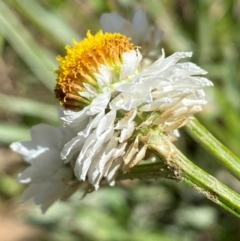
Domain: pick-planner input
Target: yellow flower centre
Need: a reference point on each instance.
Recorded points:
(82, 62)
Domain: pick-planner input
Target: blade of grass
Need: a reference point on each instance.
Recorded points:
(37, 58)
(11, 132)
(29, 107)
(49, 22)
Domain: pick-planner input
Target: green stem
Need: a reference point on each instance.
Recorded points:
(211, 144)
(175, 165)
(148, 171)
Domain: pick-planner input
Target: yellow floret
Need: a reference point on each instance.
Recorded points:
(82, 61)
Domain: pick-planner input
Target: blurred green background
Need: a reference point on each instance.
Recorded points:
(32, 34)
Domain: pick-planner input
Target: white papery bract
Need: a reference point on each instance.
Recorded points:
(168, 88)
(169, 91)
(139, 30)
(48, 178)
(100, 143)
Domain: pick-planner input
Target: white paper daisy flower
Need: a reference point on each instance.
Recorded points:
(110, 100)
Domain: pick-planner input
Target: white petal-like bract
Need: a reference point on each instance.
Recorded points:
(48, 177)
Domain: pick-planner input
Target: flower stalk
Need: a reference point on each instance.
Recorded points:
(174, 165)
(203, 137)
